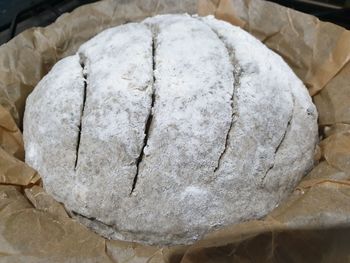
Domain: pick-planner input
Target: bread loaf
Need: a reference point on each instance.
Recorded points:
(164, 130)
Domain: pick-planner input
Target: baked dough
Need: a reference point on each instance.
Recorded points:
(163, 130)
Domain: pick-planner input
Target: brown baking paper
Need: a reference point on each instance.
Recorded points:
(312, 225)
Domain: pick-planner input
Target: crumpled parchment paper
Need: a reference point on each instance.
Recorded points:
(312, 225)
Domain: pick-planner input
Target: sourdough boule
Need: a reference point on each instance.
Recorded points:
(163, 130)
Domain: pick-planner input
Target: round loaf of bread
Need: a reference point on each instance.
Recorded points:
(163, 130)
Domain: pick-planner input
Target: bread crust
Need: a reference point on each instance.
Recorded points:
(164, 130)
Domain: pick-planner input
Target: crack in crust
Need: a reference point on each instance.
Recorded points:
(149, 120)
(91, 219)
(82, 61)
(237, 74)
(288, 127)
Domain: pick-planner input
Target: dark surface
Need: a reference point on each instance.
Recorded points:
(335, 11)
(18, 15)
(10, 8)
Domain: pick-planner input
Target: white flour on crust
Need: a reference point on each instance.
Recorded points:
(164, 130)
